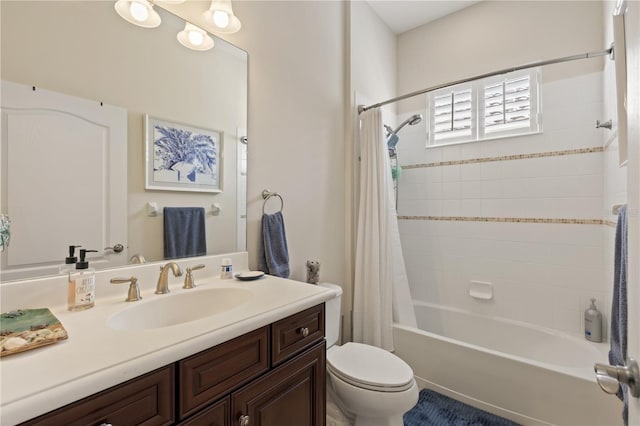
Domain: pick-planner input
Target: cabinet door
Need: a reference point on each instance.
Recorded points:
(290, 395)
(216, 415)
(145, 400)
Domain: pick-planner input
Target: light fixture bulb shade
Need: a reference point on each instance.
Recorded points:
(195, 38)
(220, 14)
(220, 19)
(138, 12)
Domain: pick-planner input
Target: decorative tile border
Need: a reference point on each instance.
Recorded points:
(510, 220)
(610, 223)
(507, 158)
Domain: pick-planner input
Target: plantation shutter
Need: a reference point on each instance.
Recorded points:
(496, 107)
(453, 114)
(507, 104)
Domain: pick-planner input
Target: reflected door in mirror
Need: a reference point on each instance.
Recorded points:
(64, 179)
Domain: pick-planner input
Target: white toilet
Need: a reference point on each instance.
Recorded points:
(368, 383)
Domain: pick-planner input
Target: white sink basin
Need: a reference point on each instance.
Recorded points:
(171, 309)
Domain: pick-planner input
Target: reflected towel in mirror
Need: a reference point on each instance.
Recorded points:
(184, 232)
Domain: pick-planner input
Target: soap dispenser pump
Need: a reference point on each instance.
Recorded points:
(82, 284)
(69, 261)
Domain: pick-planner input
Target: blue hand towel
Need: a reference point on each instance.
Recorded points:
(618, 338)
(184, 232)
(274, 256)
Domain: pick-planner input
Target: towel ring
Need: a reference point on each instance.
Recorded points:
(266, 194)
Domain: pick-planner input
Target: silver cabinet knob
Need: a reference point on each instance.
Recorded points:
(243, 420)
(610, 377)
(106, 424)
(304, 331)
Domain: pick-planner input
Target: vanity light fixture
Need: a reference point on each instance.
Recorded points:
(195, 38)
(138, 12)
(220, 14)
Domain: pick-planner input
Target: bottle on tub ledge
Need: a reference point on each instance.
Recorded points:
(81, 292)
(593, 323)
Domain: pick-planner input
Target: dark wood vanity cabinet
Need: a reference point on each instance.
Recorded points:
(144, 400)
(272, 376)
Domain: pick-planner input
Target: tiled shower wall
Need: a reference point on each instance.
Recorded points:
(459, 218)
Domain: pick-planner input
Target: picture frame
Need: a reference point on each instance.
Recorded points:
(182, 157)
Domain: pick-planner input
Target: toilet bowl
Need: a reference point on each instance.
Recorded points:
(369, 384)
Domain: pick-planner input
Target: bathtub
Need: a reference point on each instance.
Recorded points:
(524, 373)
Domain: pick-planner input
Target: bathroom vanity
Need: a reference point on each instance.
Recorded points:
(261, 362)
(272, 375)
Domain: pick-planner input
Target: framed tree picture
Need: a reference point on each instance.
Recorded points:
(181, 157)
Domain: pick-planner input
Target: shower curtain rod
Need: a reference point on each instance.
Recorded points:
(588, 55)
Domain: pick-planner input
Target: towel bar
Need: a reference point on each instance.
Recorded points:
(153, 210)
(266, 194)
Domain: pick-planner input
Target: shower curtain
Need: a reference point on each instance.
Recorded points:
(380, 278)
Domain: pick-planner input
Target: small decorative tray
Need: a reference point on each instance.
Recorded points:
(26, 329)
(249, 275)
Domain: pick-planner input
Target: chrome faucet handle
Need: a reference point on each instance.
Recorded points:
(189, 282)
(134, 290)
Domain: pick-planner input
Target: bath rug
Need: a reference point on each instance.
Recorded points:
(434, 409)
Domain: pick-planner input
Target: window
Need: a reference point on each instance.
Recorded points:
(501, 106)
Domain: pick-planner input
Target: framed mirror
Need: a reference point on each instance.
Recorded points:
(84, 50)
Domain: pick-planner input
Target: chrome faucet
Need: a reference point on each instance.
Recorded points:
(163, 281)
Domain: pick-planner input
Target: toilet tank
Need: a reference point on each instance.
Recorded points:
(332, 314)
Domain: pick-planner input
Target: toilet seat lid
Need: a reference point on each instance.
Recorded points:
(370, 366)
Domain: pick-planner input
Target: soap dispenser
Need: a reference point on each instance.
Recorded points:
(69, 261)
(82, 284)
(593, 323)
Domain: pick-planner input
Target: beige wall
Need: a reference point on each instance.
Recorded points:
(296, 124)
(373, 55)
(492, 35)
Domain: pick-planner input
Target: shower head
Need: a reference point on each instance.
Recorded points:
(392, 135)
(411, 121)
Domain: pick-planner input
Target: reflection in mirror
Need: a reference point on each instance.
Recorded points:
(52, 46)
(620, 57)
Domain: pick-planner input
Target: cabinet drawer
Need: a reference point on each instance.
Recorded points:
(211, 374)
(148, 399)
(293, 334)
(216, 415)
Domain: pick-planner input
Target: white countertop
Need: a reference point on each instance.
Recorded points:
(96, 357)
